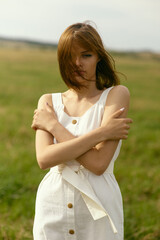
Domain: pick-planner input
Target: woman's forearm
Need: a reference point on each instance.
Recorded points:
(60, 133)
(54, 154)
(90, 159)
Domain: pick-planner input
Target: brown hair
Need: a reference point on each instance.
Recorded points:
(86, 36)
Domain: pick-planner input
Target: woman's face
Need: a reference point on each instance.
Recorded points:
(85, 62)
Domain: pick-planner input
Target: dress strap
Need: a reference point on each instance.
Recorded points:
(56, 100)
(104, 96)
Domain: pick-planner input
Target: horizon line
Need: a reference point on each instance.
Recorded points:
(53, 44)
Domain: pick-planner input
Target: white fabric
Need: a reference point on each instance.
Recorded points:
(97, 212)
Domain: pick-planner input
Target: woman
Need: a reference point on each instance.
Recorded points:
(79, 198)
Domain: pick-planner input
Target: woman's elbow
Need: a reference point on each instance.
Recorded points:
(42, 165)
(99, 172)
(99, 169)
(42, 162)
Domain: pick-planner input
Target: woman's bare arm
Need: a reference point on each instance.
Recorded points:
(98, 158)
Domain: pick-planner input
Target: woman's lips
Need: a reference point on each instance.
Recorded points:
(79, 73)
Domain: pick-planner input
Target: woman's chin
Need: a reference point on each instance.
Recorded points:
(79, 78)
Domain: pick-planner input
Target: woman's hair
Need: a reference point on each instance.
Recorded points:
(87, 37)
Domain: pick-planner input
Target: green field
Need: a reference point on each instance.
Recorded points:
(26, 74)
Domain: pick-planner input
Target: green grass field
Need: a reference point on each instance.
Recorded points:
(26, 74)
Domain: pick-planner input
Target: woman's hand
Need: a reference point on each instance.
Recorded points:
(115, 127)
(44, 119)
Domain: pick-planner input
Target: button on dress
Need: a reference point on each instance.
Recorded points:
(73, 203)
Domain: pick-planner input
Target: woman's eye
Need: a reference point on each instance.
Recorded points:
(87, 55)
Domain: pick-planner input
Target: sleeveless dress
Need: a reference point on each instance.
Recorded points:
(73, 203)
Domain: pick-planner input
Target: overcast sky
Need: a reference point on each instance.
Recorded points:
(123, 24)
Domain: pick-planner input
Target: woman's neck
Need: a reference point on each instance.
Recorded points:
(87, 93)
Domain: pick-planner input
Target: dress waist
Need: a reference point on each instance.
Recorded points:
(77, 168)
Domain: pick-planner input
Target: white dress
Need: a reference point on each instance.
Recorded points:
(73, 203)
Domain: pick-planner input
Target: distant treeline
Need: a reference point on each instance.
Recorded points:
(19, 43)
(4, 41)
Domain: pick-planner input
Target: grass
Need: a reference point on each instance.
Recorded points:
(26, 74)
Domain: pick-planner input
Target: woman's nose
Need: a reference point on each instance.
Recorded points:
(78, 62)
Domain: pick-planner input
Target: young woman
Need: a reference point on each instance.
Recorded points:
(78, 136)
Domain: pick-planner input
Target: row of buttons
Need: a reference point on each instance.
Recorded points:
(70, 205)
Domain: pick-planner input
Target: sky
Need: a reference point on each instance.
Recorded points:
(123, 24)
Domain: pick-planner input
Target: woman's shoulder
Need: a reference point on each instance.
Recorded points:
(120, 88)
(118, 95)
(120, 91)
(45, 98)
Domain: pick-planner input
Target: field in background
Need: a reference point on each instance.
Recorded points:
(26, 74)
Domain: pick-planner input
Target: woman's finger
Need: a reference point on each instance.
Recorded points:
(127, 126)
(128, 120)
(118, 113)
